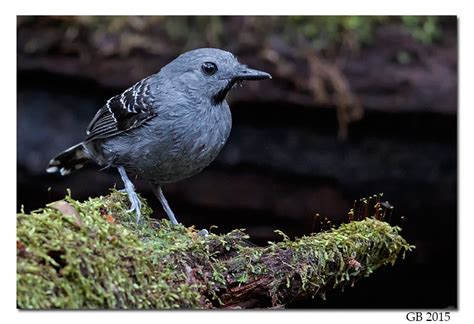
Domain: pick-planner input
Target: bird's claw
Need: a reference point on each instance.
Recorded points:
(135, 202)
(136, 205)
(203, 233)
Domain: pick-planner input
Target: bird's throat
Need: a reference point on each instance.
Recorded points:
(220, 96)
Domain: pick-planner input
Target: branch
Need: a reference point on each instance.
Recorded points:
(92, 255)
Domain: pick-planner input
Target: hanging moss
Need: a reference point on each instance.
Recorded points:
(89, 255)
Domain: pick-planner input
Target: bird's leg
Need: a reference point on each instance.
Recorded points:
(132, 195)
(159, 193)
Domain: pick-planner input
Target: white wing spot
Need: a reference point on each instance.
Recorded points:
(110, 110)
(142, 97)
(124, 104)
(64, 171)
(122, 99)
(52, 169)
(54, 162)
(136, 92)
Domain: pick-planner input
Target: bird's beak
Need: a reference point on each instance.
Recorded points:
(251, 74)
(244, 73)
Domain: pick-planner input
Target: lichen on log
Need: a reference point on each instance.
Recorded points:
(91, 255)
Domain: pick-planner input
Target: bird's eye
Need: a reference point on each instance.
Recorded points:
(209, 68)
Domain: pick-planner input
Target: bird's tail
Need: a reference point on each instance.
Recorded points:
(70, 160)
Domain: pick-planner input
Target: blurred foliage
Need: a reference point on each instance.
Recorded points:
(325, 32)
(122, 34)
(425, 29)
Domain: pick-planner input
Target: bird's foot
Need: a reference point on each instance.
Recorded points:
(203, 233)
(135, 201)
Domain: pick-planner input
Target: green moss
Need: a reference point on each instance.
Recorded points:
(92, 255)
(98, 258)
(322, 261)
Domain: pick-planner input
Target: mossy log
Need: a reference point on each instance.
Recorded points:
(90, 255)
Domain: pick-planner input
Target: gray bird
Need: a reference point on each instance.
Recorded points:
(166, 127)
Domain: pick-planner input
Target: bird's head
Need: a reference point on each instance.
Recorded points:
(208, 73)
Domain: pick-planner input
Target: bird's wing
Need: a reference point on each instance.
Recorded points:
(122, 113)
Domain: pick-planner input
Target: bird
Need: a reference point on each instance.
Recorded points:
(166, 127)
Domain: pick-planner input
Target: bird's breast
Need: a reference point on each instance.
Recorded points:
(188, 143)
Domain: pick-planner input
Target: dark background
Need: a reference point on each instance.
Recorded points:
(356, 106)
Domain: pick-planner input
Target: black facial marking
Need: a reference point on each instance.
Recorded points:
(220, 96)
